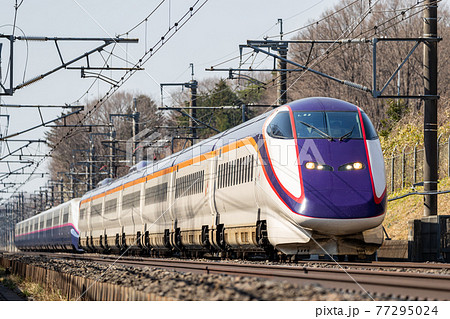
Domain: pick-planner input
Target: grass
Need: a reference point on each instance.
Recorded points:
(411, 207)
(29, 289)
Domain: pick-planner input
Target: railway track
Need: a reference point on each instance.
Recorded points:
(346, 277)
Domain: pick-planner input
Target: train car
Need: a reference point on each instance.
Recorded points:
(305, 178)
(55, 229)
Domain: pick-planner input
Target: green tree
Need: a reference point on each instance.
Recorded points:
(395, 110)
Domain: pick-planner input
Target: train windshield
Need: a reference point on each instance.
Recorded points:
(330, 125)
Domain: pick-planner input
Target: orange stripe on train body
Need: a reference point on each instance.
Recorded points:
(200, 158)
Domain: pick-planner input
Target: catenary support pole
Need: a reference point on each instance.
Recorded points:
(430, 167)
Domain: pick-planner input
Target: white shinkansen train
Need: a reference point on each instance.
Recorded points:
(305, 178)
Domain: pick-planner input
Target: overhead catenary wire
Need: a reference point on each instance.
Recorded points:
(330, 50)
(113, 88)
(315, 22)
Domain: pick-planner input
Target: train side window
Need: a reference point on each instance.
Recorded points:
(127, 201)
(371, 133)
(55, 218)
(188, 185)
(180, 191)
(231, 173)
(49, 221)
(235, 171)
(236, 181)
(226, 175)
(111, 206)
(96, 209)
(222, 177)
(251, 168)
(243, 162)
(222, 182)
(280, 126)
(65, 218)
(218, 175)
(242, 169)
(197, 183)
(163, 192)
(239, 171)
(41, 226)
(246, 162)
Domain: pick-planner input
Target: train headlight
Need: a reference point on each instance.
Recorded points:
(317, 166)
(358, 165)
(355, 166)
(310, 165)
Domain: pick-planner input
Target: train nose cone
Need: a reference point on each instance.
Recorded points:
(347, 208)
(340, 204)
(338, 193)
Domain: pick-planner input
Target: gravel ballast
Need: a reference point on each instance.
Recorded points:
(189, 286)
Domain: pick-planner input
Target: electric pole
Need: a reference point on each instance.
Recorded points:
(282, 65)
(135, 132)
(112, 152)
(430, 167)
(193, 110)
(192, 85)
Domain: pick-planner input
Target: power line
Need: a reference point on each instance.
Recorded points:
(144, 58)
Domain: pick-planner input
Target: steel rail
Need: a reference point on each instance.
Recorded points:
(411, 285)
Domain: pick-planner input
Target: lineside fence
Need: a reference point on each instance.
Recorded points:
(73, 287)
(404, 167)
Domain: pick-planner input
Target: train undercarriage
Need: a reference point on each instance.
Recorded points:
(244, 242)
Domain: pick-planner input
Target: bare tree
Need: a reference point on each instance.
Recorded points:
(75, 148)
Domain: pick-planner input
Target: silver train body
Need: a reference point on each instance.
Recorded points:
(245, 190)
(55, 229)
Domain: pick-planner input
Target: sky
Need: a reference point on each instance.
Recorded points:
(211, 37)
